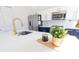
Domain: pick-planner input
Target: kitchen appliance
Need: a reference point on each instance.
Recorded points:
(60, 15)
(34, 21)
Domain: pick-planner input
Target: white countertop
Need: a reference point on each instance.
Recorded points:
(28, 43)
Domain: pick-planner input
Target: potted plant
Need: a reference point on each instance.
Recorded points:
(58, 33)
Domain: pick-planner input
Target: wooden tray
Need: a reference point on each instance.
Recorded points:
(48, 44)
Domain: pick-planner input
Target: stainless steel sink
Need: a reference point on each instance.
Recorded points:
(24, 33)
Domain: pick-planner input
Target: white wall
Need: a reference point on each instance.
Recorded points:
(6, 17)
(70, 21)
(22, 13)
(7, 14)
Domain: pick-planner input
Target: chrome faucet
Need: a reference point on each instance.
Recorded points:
(14, 27)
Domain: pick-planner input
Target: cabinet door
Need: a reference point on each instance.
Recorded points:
(7, 17)
(77, 17)
(44, 29)
(70, 31)
(76, 33)
(71, 13)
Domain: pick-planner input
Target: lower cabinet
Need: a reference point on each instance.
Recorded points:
(73, 32)
(44, 29)
(76, 33)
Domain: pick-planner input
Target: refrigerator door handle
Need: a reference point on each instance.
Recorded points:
(29, 23)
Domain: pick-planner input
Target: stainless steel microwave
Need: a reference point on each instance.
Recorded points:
(58, 15)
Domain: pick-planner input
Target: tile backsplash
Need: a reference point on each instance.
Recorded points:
(65, 23)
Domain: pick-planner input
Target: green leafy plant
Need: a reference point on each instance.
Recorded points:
(58, 32)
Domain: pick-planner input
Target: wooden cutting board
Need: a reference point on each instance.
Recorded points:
(48, 44)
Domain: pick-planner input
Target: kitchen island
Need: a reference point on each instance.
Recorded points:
(28, 43)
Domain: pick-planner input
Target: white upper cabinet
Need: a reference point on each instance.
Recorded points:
(77, 17)
(71, 13)
(7, 16)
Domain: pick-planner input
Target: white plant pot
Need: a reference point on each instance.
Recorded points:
(57, 42)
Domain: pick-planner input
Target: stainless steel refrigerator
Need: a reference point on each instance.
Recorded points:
(34, 22)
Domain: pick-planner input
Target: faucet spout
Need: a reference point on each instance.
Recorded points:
(14, 26)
